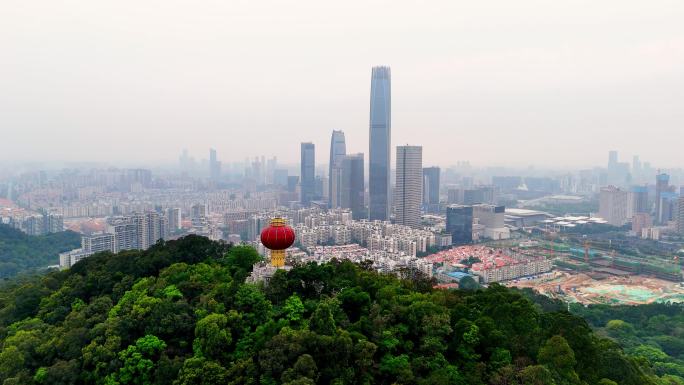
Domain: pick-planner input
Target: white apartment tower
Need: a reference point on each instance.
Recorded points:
(615, 205)
(409, 185)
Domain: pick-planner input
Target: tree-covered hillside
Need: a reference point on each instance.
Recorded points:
(653, 333)
(20, 252)
(181, 313)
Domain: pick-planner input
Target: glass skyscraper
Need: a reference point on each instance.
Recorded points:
(380, 139)
(338, 150)
(308, 173)
(353, 186)
(431, 189)
(459, 223)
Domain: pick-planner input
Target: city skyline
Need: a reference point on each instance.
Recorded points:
(356, 192)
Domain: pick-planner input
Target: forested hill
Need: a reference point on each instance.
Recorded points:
(180, 313)
(20, 252)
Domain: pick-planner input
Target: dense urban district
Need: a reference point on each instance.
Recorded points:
(352, 270)
(566, 236)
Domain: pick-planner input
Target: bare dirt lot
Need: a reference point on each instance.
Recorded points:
(611, 290)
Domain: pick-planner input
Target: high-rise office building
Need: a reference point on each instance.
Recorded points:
(459, 223)
(214, 165)
(353, 186)
(431, 189)
(338, 150)
(668, 206)
(615, 205)
(662, 185)
(379, 144)
(680, 215)
(321, 191)
(409, 185)
(640, 199)
(308, 173)
(173, 217)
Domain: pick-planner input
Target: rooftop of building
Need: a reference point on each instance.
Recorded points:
(525, 212)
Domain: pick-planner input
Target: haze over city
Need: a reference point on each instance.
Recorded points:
(552, 84)
(309, 192)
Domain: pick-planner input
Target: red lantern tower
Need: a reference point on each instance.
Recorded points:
(277, 237)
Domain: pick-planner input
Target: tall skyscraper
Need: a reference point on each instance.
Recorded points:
(338, 150)
(353, 186)
(214, 165)
(308, 173)
(662, 185)
(409, 186)
(380, 141)
(431, 189)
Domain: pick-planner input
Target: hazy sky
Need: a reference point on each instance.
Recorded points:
(495, 82)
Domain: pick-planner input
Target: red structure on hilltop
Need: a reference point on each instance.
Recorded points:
(277, 237)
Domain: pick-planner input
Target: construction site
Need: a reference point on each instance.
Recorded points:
(590, 275)
(615, 290)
